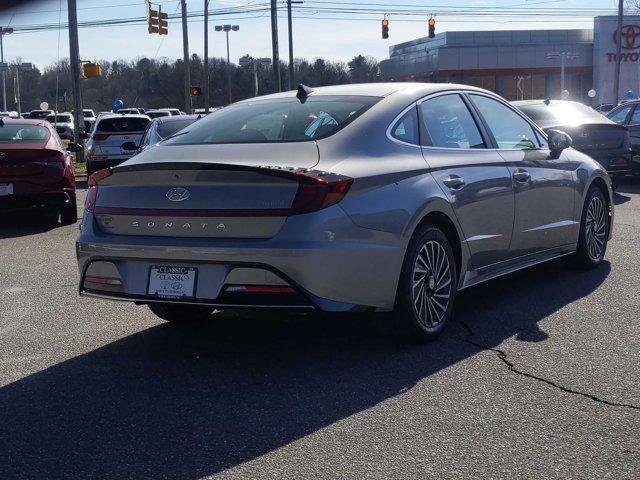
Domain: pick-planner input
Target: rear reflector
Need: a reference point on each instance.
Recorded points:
(259, 289)
(102, 280)
(98, 137)
(92, 193)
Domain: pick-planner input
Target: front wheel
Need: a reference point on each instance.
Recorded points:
(181, 314)
(594, 229)
(427, 285)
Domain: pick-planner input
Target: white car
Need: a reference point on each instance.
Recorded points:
(63, 123)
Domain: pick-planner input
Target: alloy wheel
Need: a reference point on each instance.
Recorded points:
(596, 228)
(431, 287)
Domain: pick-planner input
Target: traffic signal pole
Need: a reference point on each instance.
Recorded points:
(206, 57)
(74, 51)
(274, 45)
(185, 49)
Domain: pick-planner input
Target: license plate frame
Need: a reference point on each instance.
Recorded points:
(180, 285)
(6, 189)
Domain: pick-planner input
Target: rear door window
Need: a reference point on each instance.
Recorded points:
(447, 123)
(122, 125)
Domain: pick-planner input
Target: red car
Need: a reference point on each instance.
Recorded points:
(35, 168)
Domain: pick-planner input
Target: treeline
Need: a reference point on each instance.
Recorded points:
(158, 83)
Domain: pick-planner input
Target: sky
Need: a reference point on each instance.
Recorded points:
(316, 34)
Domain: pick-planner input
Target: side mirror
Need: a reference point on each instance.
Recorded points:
(73, 147)
(129, 146)
(558, 140)
(84, 135)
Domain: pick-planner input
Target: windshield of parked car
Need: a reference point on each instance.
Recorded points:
(563, 112)
(278, 120)
(169, 128)
(23, 133)
(122, 124)
(59, 118)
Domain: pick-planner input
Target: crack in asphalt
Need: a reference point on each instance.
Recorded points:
(502, 355)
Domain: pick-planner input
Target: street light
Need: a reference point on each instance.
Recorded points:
(563, 56)
(226, 29)
(4, 31)
(248, 61)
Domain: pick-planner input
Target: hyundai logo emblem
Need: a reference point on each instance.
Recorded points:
(178, 194)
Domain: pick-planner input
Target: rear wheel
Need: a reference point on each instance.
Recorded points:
(427, 285)
(181, 314)
(594, 229)
(69, 212)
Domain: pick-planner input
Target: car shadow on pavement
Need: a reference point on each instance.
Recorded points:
(184, 403)
(27, 222)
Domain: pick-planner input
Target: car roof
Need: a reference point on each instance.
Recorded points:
(175, 118)
(383, 89)
(545, 103)
(25, 121)
(126, 115)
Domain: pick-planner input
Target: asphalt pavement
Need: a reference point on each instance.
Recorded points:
(537, 377)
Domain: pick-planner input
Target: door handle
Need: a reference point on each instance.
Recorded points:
(454, 182)
(521, 176)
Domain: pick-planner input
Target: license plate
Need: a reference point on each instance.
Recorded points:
(172, 282)
(6, 189)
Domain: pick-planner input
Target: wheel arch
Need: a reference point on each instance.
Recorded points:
(601, 184)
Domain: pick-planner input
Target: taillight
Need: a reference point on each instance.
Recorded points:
(98, 137)
(92, 193)
(318, 190)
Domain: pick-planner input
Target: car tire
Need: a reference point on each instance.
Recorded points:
(594, 230)
(69, 212)
(427, 287)
(181, 314)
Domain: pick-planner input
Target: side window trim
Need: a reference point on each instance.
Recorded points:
(537, 131)
(394, 122)
(424, 135)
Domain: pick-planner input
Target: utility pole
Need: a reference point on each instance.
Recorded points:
(17, 90)
(618, 39)
(185, 48)
(274, 44)
(206, 57)
(3, 32)
(292, 80)
(563, 56)
(74, 51)
(226, 29)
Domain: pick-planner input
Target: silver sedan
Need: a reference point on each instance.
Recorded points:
(377, 197)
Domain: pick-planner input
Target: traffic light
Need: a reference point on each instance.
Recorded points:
(385, 28)
(152, 19)
(163, 23)
(196, 91)
(432, 27)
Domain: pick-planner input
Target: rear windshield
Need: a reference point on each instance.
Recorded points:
(122, 124)
(566, 112)
(158, 114)
(169, 128)
(281, 120)
(23, 133)
(59, 118)
(39, 113)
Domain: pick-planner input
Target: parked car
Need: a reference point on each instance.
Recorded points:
(159, 129)
(158, 113)
(89, 117)
(130, 111)
(63, 124)
(202, 112)
(172, 111)
(104, 148)
(628, 114)
(591, 132)
(35, 168)
(35, 114)
(376, 197)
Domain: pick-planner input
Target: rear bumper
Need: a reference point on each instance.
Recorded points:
(328, 260)
(53, 199)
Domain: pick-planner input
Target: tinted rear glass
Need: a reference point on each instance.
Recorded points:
(169, 128)
(565, 112)
(158, 114)
(281, 120)
(122, 124)
(59, 118)
(23, 134)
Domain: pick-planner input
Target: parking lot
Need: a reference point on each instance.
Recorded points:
(537, 377)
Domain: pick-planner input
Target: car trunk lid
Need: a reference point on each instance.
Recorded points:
(596, 136)
(22, 160)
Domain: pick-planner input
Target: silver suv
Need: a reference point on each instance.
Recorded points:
(104, 148)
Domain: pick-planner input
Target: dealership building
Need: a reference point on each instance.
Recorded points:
(525, 64)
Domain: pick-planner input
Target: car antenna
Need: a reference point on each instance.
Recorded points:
(547, 101)
(303, 92)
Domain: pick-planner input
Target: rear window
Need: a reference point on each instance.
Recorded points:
(565, 112)
(169, 128)
(158, 114)
(59, 118)
(273, 121)
(23, 133)
(122, 124)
